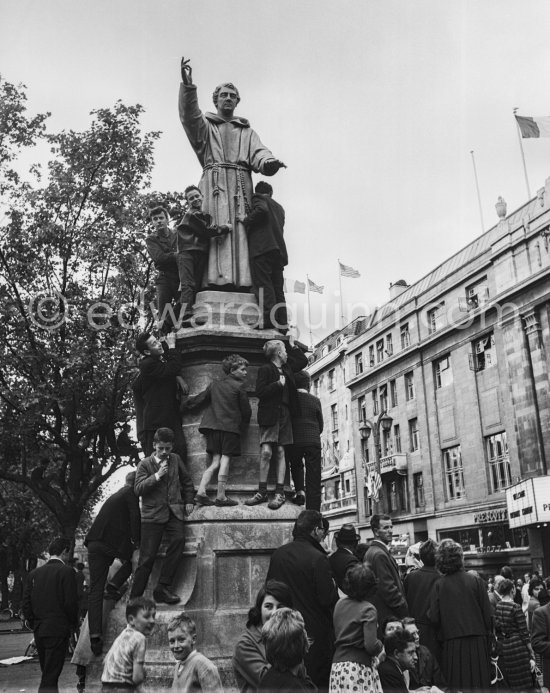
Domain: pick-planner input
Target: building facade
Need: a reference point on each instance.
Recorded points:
(459, 363)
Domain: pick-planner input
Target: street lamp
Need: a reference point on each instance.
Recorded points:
(384, 422)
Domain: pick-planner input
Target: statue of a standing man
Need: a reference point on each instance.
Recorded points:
(228, 150)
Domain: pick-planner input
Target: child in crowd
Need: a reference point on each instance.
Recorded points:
(227, 414)
(123, 664)
(286, 643)
(193, 671)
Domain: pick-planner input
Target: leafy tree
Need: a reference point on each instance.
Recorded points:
(72, 267)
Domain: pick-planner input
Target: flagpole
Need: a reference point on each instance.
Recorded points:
(309, 313)
(341, 295)
(522, 156)
(478, 195)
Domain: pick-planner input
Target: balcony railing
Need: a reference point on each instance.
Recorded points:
(338, 503)
(389, 463)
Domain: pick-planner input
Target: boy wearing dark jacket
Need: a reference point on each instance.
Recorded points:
(227, 414)
(278, 403)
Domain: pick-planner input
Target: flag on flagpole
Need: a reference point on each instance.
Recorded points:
(534, 126)
(374, 484)
(315, 287)
(347, 271)
(294, 286)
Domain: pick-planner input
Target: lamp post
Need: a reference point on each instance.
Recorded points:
(384, 422)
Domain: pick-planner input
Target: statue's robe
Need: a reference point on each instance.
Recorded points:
(228, 152)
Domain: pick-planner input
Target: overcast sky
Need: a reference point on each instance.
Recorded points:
(374, 105)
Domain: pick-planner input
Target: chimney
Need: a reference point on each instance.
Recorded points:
(398, 288)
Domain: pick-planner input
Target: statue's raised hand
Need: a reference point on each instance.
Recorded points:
(271, 167)
(186, 71)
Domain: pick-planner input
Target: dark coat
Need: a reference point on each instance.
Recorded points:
(195, 231)
(171, 492)
(156, 390)
(118, 523)
(162, 251)
(50, 600)
(418, 590)
(391, 677)
(540, 638)
(340, 561)
(270, 393)
(303, 565)
(265, 227)
(284, 682)
(459, 606)
(427, 671)
(228, 406)
(389, 599)
(307, 424)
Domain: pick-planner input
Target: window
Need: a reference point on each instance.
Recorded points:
(389, 345)
(383, 398)
(393, 393)
(331, 379)
(371, 355)
(358, 364)
(499, 462)
(395, 491)
(405, 336)
(409, 386)
(374, 403)
(476, 295)
(454, 473)
(435, 317)
(414, 438)
(334, 416)
(386, 443)
(443, 374)
(361, 408)
(484, 353)
(418, 485)
(316, 387)
(379, 350)
(397, 438)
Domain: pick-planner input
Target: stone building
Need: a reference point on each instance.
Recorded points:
(459, 362)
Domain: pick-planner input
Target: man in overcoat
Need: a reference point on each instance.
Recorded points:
(303, 565)
(540, 639)
(50, 605)
(390, 594)
(344, 557)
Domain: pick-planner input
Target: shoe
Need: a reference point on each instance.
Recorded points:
(226, 502)
(276, 502)
(96, 644)
(201, 499)
(298, 499)
(256, 499)
(162, 594)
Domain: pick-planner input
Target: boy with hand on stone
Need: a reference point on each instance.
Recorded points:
(123, 667)
(277, 405)
(193, 671)
(227, 414)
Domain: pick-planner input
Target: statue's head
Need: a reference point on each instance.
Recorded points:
(226, 97)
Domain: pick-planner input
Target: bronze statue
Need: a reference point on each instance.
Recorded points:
(228, 150)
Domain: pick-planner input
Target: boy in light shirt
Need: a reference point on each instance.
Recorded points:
(193, 671)
(123, 667)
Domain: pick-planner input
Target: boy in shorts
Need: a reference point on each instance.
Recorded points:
(278, 403)
(193, 671)
(227, 414)
(123, 668)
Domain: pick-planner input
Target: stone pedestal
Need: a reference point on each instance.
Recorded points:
(227, 549)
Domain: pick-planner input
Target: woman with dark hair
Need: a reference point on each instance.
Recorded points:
(518, 658)
(460, 609)
(249, 660)
(357, 646)
(535, 588)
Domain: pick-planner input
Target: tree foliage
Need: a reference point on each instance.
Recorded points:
(72, 268)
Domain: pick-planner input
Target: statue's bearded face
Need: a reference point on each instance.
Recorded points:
(227, 101)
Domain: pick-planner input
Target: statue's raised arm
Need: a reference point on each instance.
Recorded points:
(228, 150)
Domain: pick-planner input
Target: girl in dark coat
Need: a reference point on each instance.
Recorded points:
(517, 659)
(460, 609)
